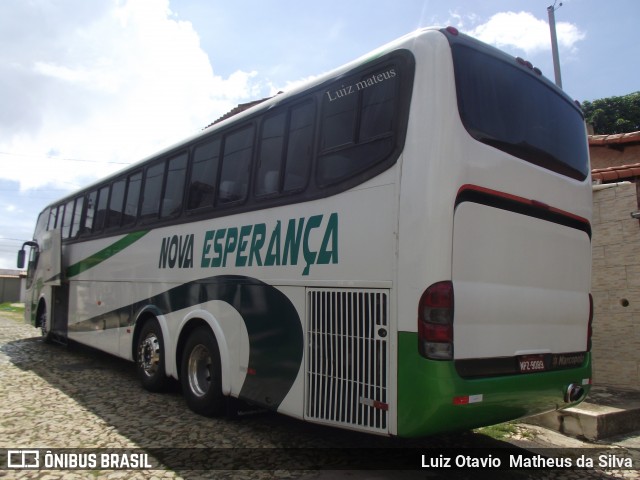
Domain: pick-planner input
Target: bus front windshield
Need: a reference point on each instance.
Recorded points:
(510, 108)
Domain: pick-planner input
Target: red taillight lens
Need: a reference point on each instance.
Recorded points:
(437, 333)
(435, 322)
(590, 327)
(452, 30)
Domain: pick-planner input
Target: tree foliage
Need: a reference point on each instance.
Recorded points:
(613, 114)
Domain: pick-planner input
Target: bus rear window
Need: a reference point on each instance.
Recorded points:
(511, 109)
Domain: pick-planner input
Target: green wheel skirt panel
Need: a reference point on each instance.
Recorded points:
(426, 389)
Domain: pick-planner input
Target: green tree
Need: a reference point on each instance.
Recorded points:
(613, 114)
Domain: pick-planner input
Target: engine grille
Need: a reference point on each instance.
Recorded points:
(347, 357)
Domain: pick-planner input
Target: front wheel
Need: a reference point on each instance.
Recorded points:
(200, 374)
(41, 321)
(150, 357)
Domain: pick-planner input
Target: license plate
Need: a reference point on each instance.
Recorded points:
(531, 363)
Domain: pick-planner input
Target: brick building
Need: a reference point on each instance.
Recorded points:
(615, 160)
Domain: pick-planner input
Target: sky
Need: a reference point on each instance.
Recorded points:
(87, 88)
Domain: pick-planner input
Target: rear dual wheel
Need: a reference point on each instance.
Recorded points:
(201, 374)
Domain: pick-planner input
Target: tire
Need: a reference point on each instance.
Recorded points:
(150, 357)
(41, 321)
(200, 374)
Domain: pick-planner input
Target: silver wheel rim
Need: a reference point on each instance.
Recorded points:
(149, 355)
(199, 370)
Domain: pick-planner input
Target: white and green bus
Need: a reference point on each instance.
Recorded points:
(401, 246)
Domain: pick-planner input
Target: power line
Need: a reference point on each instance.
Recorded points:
(62, 159)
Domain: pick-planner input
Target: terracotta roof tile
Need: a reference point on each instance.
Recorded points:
(616, 139)
(238, 109)
(623, 172)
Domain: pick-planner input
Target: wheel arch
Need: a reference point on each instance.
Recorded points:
(205, 319)
(42, 304)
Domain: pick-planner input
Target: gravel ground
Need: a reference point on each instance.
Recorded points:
(77, 398)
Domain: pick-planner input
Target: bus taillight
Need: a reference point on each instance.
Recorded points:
(435, 322)
(452, 30)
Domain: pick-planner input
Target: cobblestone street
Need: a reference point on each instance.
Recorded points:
(56, 397)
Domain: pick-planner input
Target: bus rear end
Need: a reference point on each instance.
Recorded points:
(504, 314)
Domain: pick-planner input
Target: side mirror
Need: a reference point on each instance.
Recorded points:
(21, 257)
(22, 254)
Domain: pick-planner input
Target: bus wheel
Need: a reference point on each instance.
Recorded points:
(41, 321)
(200, 374)
(150, 361)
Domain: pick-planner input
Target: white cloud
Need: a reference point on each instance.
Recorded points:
(109, 84)
(523, 31)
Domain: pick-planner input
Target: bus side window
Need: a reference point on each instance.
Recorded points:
(53, 215)
(204, 175)
(132, 199)
(358, 124)
(377, 111)
(236, 161)
(285, 146)
(77, 217)
(299, 147)
(90, 213)
(270, 154)
(101, 211)
(68, 216)
(116, 202)
(58, 216)
(152, 192)
(174, 188)
(338, 118)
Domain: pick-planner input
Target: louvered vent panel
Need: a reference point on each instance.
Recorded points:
(347, 357)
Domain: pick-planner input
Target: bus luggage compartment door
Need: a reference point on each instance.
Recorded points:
(521, 284)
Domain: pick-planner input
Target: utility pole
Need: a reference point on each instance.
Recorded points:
(554, 43)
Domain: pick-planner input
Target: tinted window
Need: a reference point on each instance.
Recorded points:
(236, 160)
(77, 216)
(116, 203)
(68, 216)
(152, 191)
(378, 106)
(339, 110)
(90, 213)
(204, 173)
(299, 147)
(286, 142)
(271, 154)
(53, 215)
(101, 212)
(132, 199)
(174, 189)
(358, 124)
(509, 108)
(59, 216)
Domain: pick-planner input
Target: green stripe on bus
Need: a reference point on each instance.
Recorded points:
(104, 254)
(426, 389)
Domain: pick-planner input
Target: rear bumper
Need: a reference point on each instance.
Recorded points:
(427, 389)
